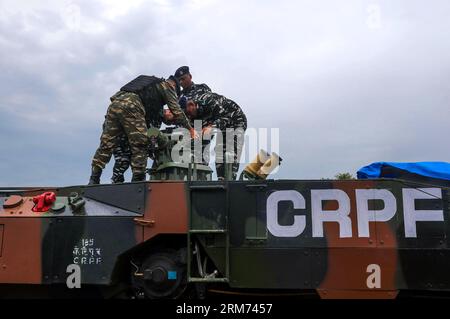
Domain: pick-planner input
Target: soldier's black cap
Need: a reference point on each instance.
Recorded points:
(182, 71)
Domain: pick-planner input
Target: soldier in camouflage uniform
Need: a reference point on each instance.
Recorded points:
(122, 159)
(218, 112)
(122, 152)
(192, 91)
(138, 105)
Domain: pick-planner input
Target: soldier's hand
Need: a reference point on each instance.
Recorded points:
(194, 134)
(207, 130)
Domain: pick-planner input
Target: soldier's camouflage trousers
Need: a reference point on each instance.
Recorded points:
(125, 115)
(122, 159)
(229, 151)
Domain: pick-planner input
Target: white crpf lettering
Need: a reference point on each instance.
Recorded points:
(365, 215)
(411, 215)
(319, 216)
(274, 227)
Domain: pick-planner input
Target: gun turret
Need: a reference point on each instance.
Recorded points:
(165, 167)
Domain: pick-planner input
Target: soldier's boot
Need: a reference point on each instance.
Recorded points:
(138, 177)
(95, 175)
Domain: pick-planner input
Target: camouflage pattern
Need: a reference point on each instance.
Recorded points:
(170, 98)
(342, 239)
(195, 91)
(334, 239)
(223, 114)
(122, 151)
(371, 238)
(220, 112)
(125, 116)
(122, 159)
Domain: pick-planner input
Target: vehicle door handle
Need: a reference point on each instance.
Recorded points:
(144, 222)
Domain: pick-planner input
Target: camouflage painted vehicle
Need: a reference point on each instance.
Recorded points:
(158, 239)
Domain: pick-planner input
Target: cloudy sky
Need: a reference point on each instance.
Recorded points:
(347, 83)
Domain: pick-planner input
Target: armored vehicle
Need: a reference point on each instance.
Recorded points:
(181, 233)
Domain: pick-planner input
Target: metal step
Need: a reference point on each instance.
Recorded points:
(196, 233)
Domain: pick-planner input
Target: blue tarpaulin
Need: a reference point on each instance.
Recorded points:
(437, 170)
